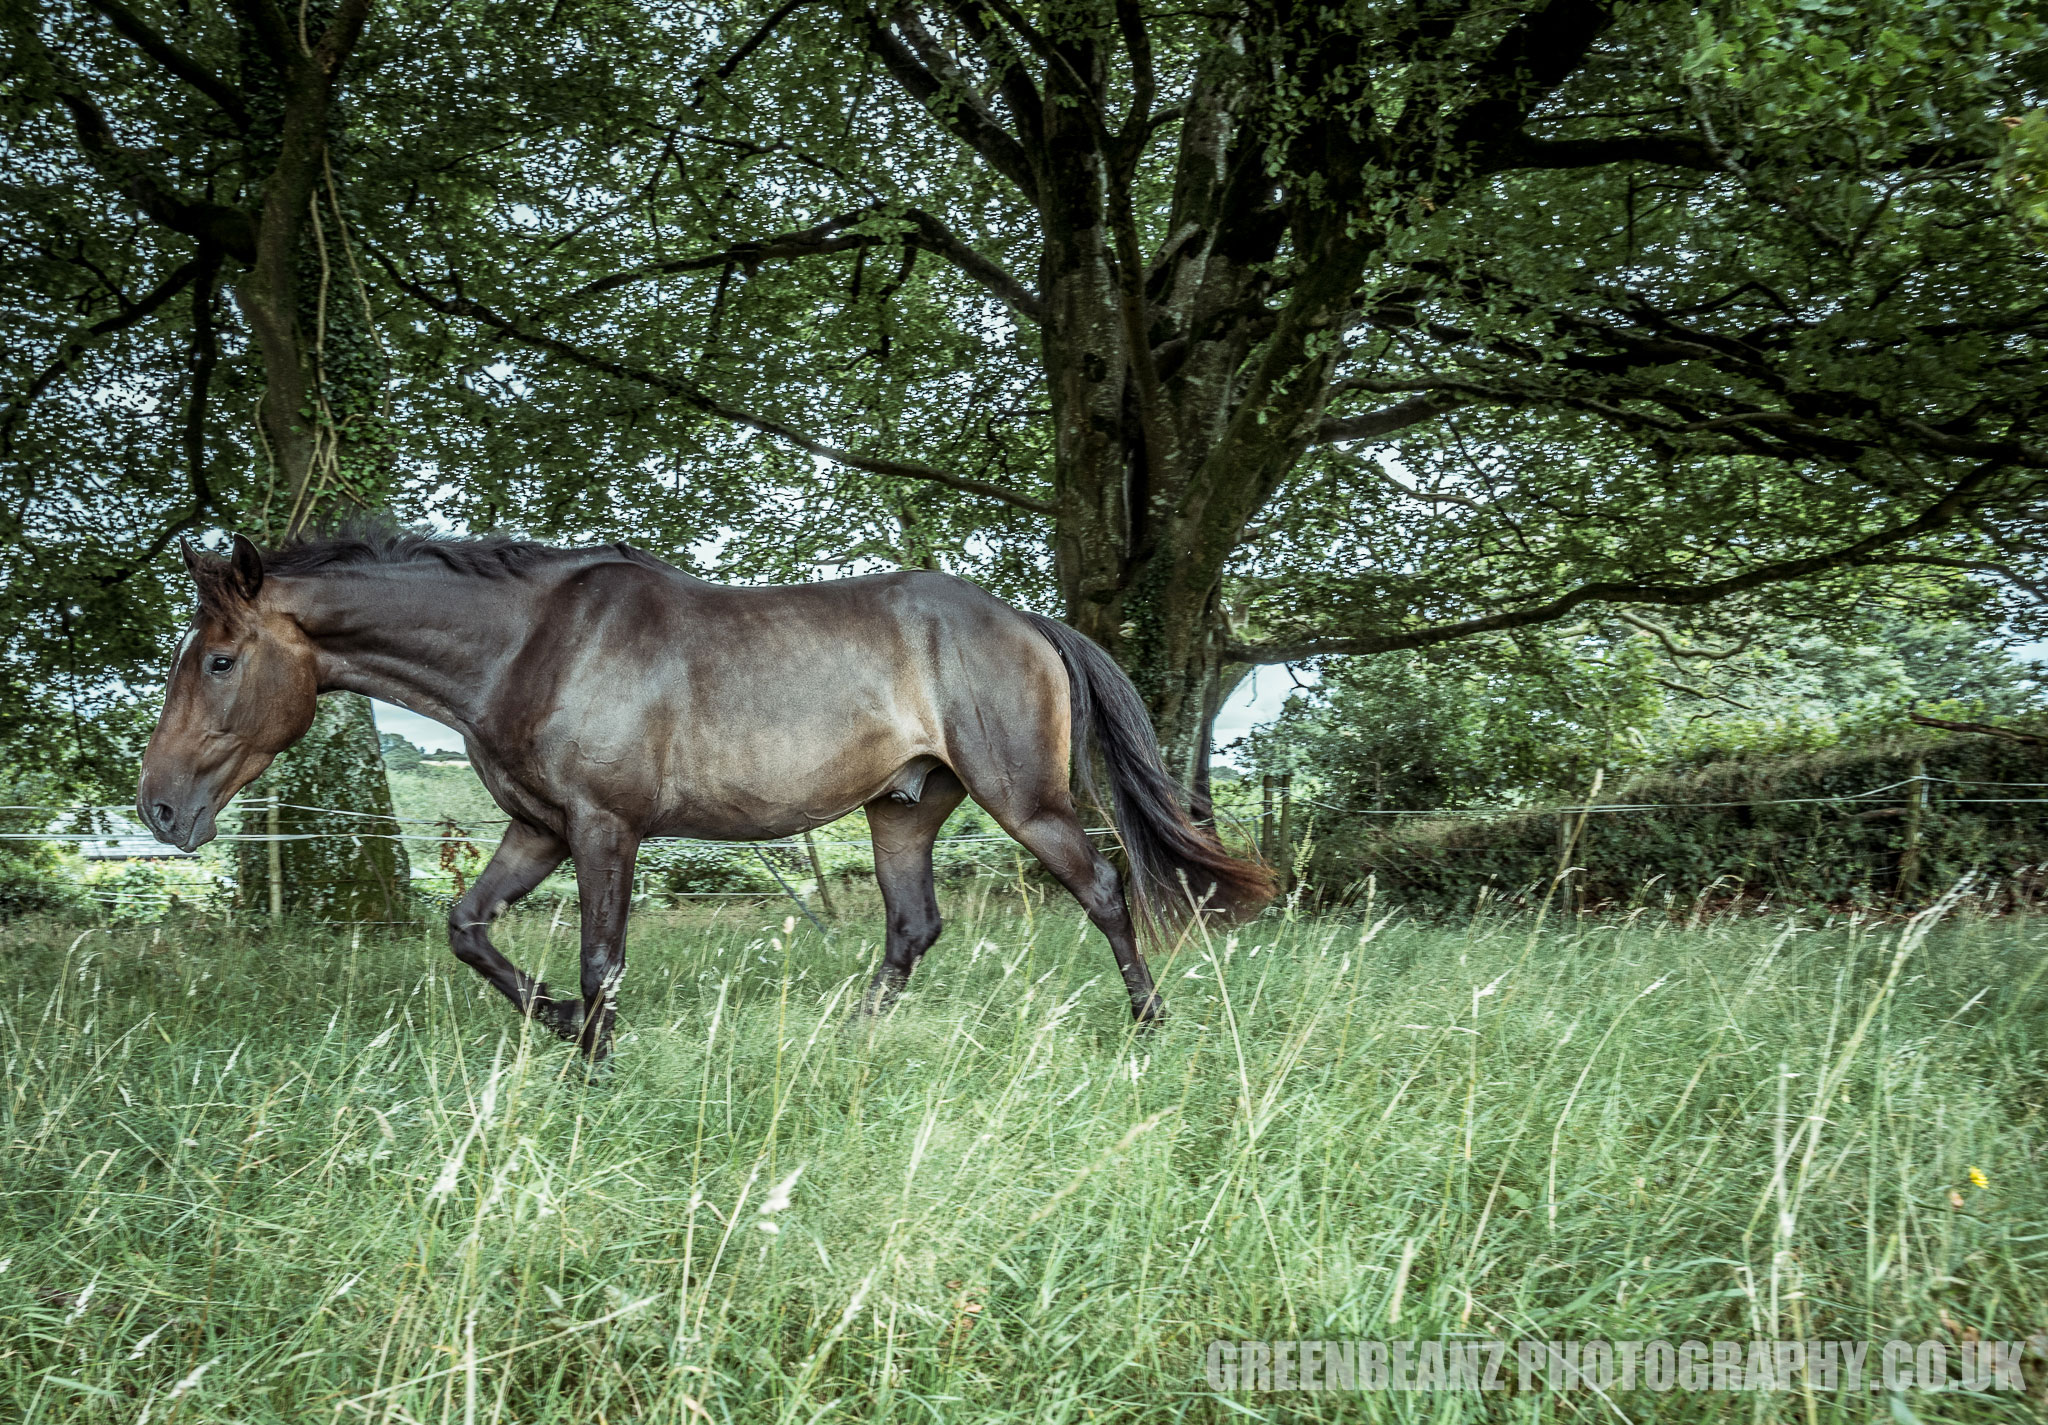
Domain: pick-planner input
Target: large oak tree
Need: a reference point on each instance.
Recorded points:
(1240, 335)
(1285, 330)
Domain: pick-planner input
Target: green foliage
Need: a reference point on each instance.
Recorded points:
(676, 869)
(1804, 692)
(2023, 176)
(1760, 831)
(1037, 1217)
(400, 755)
(1502, 722)
(137, 892)
(1784, 715)
(1743, 309)
(1489, 722)
(34, 880)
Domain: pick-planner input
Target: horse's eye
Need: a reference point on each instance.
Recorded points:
(219, 663)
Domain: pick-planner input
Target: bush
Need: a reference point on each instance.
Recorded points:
(400, 754)
(33, 881)
(675, 869)
(1749, 830)
(145, 890)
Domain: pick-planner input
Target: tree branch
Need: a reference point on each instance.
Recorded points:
(1863, 551)
(203, 356)
(1079, 91)
(1983, 566)
(1672, 150)
(1130, 19)
(1428, 497)
(173, 59)
(1013, 79)
(338, 42)
(2004, 452)
(1704, 694)
(830, 236)
(753, 42)
(1536, 54)
(75, 344)
(697, 399)
(818, 240)
(1386, 420)
(1672, 646)
(952, 101)
(2010, 734)
(213, 224)
(935, 237)
(265, 19)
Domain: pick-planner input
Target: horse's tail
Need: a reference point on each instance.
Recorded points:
(1175, 865)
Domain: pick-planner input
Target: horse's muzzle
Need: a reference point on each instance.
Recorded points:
(187, 827)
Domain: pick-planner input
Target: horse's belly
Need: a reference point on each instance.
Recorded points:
(760, 777)
(749, 741)
(759, 801)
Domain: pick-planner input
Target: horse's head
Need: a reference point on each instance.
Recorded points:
(241, 690)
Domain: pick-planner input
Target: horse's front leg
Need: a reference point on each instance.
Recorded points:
(605, 852)
(522, 861)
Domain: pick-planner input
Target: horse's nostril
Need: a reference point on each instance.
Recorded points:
(164, 815)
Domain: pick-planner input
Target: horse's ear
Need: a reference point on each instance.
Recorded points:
(224, 584)
(248, 566)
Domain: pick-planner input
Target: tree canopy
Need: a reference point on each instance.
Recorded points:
(1238, 335)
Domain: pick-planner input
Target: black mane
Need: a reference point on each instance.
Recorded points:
(488, 557)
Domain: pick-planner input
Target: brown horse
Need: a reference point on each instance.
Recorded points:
(606, 697)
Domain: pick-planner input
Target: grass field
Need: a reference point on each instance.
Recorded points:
(292, 1177)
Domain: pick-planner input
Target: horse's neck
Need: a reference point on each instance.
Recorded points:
(425, 639)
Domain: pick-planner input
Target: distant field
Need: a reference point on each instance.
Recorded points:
(295, 1177)
(431, 793)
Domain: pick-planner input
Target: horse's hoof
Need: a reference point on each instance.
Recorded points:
(592, 1074)
(563, 1017)
(1149, 1013)
(879, 1000)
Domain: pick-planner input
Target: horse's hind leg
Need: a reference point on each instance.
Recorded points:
(606, 851)
(1055, 836)
(522, 861)
(903, 836)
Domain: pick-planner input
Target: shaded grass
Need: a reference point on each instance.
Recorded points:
(341, 1178)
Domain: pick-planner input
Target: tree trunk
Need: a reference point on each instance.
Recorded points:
(331, 789)
(1176, 415)
(323, 428)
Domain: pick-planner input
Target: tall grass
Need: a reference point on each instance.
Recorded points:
(301, 1176)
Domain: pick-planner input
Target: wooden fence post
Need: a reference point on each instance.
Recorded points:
(818, 875)
(271, 821)
(1266, 818)
(1909, 853)
(1286, 858)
